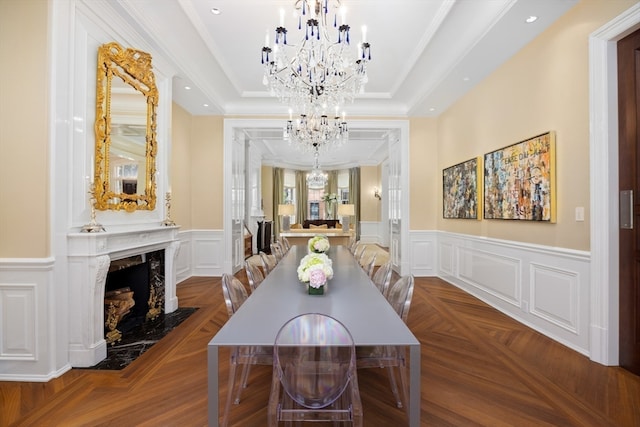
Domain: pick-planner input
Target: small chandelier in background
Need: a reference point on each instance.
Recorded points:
(319, 72)
(313, 132)
(316, 179)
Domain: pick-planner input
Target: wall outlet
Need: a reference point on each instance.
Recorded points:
(579, 213)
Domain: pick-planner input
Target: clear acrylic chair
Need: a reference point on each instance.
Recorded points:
(268, 262)
(235, 294)
(359, 250)
(276, 250)
(368, 264)
(314, 373)
(285, 244)
(254, 275)
(382, 277)
(391, 357)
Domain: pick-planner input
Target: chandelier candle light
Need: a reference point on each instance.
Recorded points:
(319, 73)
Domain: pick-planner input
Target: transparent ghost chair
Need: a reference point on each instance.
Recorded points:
(382, 277)
(314, 373)
(235, 294)
(359, 250)
(285, 244)
(254, 275)
(368, 263)
(391, 357)
(268, 262)
(276, 250)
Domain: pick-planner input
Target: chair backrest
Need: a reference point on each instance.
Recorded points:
(267, 263)
(359, 251)
(314, 359)
(370, 264)
(234, 293)
(400, 294)
(276, 250)
(254, 275)
(382, 277)
(285, 244)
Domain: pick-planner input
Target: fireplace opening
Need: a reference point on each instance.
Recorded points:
(134, 293)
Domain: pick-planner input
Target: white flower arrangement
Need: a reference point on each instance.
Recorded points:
(330, 198)
(319, 244)
(314, 262)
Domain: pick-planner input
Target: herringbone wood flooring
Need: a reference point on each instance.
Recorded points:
(479, 368)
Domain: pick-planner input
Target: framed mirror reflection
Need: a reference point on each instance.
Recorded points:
(125, 128)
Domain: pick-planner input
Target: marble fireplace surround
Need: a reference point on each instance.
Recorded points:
(90, 255)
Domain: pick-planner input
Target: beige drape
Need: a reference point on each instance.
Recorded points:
(278, 198)
(302, 193)
(354, 196)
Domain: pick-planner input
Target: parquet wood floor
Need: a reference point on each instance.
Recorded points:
(479, 368)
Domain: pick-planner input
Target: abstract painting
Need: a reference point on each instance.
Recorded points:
(460, 190)
(519, 181)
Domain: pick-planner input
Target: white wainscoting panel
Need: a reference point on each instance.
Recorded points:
(28, 323)
(370, 232)
(422, 252)
(496, 274)
(546, 288)
(18, 308)
(555, 296)
(207, 252)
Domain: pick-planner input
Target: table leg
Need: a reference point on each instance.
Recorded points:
(212, 366)
(414, 388)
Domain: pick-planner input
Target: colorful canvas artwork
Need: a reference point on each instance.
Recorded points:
(519, 180)
(460, 190)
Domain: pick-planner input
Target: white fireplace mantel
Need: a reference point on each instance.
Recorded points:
(90, 255)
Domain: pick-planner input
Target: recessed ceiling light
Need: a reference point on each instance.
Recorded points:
(466, 79)
(215, 11)
(187, 87)
(432, 109)
(205, 105)
(531, 19)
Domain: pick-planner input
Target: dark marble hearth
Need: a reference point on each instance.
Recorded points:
(140, 339)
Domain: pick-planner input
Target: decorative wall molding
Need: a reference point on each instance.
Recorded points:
(370, 232)
(545, 288)
(27, 336)
(422, 254)
(201, 254)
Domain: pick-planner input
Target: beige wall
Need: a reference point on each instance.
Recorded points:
(180, 178)
(544, 87)
(24, 156)
(206, 177)
(424, 176)
(369, 205)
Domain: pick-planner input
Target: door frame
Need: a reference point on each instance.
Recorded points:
(231, 126)
(603, 157)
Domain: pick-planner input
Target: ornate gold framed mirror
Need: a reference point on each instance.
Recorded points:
(126, 146)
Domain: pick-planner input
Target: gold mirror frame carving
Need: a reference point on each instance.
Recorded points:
(134, 67)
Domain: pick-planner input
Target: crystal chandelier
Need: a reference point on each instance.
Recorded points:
(314, 132)
(316, 179)
(319, 73)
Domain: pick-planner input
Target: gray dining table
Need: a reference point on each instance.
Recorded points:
(351, 297)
